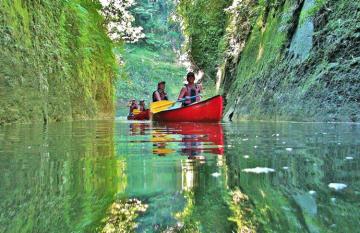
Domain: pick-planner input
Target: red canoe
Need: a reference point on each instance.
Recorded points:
(209, 110)
(142, 116)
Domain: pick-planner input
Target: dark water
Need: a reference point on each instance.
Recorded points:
(194, 178)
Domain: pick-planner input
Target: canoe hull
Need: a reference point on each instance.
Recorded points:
(210, 110)
(142, 116)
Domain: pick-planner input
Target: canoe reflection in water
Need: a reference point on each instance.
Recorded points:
(191, 139)
(138, 128)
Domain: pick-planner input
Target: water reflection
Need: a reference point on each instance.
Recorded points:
(59, 178)
(191, 177)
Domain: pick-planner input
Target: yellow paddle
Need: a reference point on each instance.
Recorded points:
(136, 111)
(163, 105)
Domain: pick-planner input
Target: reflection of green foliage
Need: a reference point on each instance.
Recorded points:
(280, 202)
(242, 212)
(122, 215)
(186, 216)
(69, 179)
(56, 61)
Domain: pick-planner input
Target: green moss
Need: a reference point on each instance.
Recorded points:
(57, 61)
(273, 83)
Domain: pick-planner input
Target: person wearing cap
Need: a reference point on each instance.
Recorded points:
(133, 106)
(190, 93)
(160, 93)
(142, 106)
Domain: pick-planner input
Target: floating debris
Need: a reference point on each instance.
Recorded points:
(349, 158)
(285, 168)
(312, 192)
(289, 149)
(255, 147)
(216, 174)
(245, 139)
(337, 186)
(258, 170)
(283, 142)
(246, 156)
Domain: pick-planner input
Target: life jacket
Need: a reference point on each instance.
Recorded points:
(190, 92)
(163, 95)
(132, 108)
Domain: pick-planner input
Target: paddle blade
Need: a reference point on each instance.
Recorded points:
(136, 111)
(160, 106)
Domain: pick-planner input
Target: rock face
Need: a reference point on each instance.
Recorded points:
(291, 60)
(56, 61)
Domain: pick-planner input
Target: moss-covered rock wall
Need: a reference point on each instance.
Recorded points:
(56, 61)
(288, 59)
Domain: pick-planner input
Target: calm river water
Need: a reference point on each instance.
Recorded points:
(254, 176)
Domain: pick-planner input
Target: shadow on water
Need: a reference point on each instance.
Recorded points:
(244, 177)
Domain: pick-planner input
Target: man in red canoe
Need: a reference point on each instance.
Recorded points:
(160, 93)
(191, 91)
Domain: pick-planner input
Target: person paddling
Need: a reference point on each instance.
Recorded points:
(133, 106)
(191, 91)
(160, 93)
(142, 106)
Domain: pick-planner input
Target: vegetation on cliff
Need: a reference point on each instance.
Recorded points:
(281, 59)
(56, 61)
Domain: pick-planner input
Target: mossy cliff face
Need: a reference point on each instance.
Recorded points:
(291, 60)
(56, 61)
(203, 24)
